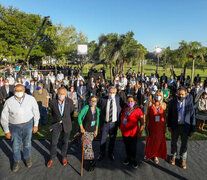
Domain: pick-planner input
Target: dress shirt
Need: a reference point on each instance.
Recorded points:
(114, 116)
(17, 112)
(181, 110)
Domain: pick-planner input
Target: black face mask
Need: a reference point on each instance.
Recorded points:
(181, 98)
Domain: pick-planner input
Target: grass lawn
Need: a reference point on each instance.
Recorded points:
(44, 132)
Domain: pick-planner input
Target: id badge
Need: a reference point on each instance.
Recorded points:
(93, 123)
(124, 121)
(91, 94)
(157, 118)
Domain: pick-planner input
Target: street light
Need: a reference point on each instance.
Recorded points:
(158, 50)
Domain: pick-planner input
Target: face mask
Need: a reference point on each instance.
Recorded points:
(71, 90)
(6, 84)
(92, 104)
(61, 97)
(131, 104)
(158, 98)
(112, 96)
(38, 88)
(181, 98)
(206, 90)
(19, 80)
(19, 94)
(32, 84)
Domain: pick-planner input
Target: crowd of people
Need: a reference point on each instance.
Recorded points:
(133, 102)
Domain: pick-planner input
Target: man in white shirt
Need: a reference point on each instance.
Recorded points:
(11, 80)
(52, 78)
(19, 118)
(60, 76)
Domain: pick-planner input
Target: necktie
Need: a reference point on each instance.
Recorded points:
(111, 111)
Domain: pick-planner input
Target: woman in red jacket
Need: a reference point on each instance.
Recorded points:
(130, 129)
(155, 128)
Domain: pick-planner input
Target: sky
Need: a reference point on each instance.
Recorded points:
(154, 22)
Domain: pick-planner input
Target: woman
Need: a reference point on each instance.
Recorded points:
(1, 81)
(88, 120)
(130, 129)
(73, 96)
(66, 82)
(155, 130)
(166, 93)
(201, 115)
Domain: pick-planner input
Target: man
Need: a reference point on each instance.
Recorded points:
(62, 112)
(6, 91)
(20, 116)
(60, 76)
(47, 84)
(11, 80)
(163, 78)
(81, 92)
(110, 107)
(197, 79)
(26, 81)
(181, 122)
(42, 97)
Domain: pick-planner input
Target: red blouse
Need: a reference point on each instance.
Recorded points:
(130, 128)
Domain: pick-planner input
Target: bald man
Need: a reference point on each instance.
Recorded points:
(19, 118)
(62, 112)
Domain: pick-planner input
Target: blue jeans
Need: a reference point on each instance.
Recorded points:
(19, 134)
(43, 114)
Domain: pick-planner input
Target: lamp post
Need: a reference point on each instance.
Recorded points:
(158, 50)
(82, 50)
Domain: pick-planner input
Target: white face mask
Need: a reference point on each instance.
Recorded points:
(112, 96)
(6, 84)
(19, 94)
(61, 97)
(158, 98)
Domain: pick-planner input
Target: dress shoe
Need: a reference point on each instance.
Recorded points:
(183, 164)
(100, 157)
(172, 161)
(15, 167)
(49, 164)
(111, 157)
(64, 161)
(28, 162)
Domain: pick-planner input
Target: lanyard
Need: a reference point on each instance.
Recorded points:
(180, 106)
(158, 109)
(93, 114)
(21, 101)
(61, 108)
(128, 113)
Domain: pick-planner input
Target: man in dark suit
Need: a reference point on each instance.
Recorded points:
(163, 78)
(62, 112)
(6, 91)
(110, 107)
(181, 122)
(197, 79)
(81, 92)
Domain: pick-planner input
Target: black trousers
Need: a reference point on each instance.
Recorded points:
(131, 147)
(56, 132)
(111, 129)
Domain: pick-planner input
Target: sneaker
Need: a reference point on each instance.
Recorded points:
(15, 167)
(135, 165)
(126, 162)
(28, 162)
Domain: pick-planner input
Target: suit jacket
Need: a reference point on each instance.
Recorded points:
(67, 114)
(189, 115)
(3, 94)
(102, 104)
(83, 92)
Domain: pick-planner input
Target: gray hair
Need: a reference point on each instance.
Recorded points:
(62, 88)
(112, 87)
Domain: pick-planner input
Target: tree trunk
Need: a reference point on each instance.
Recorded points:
(192, 72)
(111, 73)
(185, 69)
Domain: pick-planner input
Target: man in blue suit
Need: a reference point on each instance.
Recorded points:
(81, 92)
(181, 122)
(110, 107)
